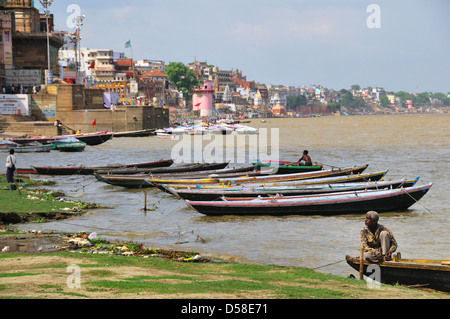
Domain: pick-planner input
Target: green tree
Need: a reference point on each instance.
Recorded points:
(355, 87)
(422, 99)
(183, 78)
(334, 106)
(384, 101)
(404, 96)
(350, 101)
(295, 101)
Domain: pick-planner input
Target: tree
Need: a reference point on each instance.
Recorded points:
(384, 101)
(422, 99)
(334, 106)
(349, 101)
(182, 77)
(355, 87)
(295, 101)
(404, 96)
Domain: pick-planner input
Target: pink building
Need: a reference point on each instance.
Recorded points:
(409, 104)
(202, 99)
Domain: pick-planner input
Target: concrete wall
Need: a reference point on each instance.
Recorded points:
(121, 119)
(77, 108)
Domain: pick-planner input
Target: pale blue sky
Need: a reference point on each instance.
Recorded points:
(289, 42)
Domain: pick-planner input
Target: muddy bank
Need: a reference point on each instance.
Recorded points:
(18, 218)
(36, 242)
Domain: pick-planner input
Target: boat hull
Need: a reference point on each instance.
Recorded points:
(324, 204)
(420, 273)
(86, 170)
(139, 180)
(196, 194)
(28, 149)
(138, 133)
(283, 167)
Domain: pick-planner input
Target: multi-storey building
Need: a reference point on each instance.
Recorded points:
(6, 55)
(29, 36)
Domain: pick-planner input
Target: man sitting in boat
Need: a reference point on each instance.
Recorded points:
(306, 159)
(377, 241)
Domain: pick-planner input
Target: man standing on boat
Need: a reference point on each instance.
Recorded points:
(377, 241)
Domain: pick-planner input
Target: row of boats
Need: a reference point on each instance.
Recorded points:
(66, 143)
(205, 128)
(281, 188)
(261, 188)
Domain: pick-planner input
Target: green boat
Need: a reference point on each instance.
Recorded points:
(284, 167)
(69, 144)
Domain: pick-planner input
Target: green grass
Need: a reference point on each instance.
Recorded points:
(204, 278)
(29, 201)
(102, 275)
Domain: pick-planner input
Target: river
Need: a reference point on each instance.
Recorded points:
(407, 145)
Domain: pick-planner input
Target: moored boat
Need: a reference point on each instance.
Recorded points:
(357, 202)
(95, 138)
(299, 176)
(137, 133)
(6, 146)
(285, 167)
(86, 170)
(69, 144)
(433, 274)
(199, 194)
(230, 182)
(189, 167)
(138, 180)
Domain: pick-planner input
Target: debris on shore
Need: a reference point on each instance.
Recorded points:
(37, 242)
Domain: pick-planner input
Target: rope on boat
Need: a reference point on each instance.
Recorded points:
(336, 262)
(416, 200)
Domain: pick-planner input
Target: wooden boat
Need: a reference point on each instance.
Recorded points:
(357, 202)
(284, 167)
(199, 194)
(433, 274)
(86, 170)
(366, 177)
(25, 171)
(261, 179)
(93, 138)
(88, 138)
(6, 146)
(138, 133)
(34, 139)
(299, 176)
(164, 135)
(190, 167)
(138, 180)
(69, 144)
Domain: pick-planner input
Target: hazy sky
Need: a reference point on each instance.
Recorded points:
(396, 44)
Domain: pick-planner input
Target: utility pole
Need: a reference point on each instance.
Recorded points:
(79, 24)
(46, 4)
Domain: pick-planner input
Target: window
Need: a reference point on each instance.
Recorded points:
(6, 36)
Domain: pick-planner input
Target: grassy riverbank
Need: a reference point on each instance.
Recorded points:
(53, 275)
(62, 266)
(32, 202)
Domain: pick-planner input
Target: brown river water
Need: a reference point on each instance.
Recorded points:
(407, 145)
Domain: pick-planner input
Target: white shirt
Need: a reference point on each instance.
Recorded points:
(11, 159)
